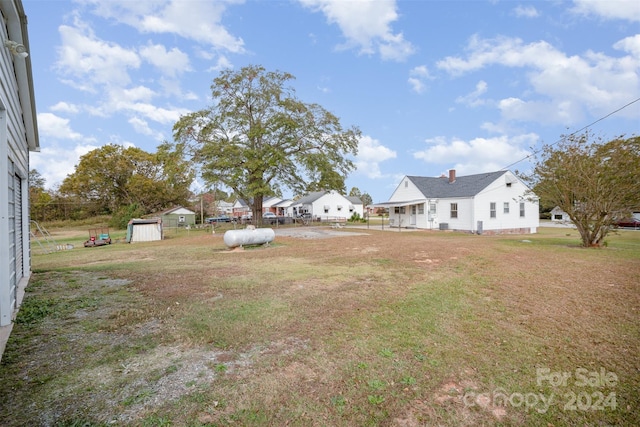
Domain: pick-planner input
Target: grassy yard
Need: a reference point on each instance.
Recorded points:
(388, 328)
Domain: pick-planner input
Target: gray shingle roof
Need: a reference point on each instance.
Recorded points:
(464, 186)
(310, 198)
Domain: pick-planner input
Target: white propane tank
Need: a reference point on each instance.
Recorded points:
(257, 236)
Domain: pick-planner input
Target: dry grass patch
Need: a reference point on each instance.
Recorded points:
(380, 328)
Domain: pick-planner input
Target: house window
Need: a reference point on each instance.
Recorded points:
(182, 218)
(421, 209)
(351, 208)
(508, 185)
(521, 209)
(339, 207)
(492, 209)
(398, 209)
(506, 207)
(406, 184)
(432, 208)
(326, 208)
(454, 210)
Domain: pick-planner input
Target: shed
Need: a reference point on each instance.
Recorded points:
(144, 230)
(178, 217)
(18, 137)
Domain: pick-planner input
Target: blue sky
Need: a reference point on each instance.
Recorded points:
(433, 85)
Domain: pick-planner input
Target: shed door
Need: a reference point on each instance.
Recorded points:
(12, 237)
(18, 228)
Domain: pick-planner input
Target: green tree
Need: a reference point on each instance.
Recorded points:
(594, 181)
(355, 192)
(258, 138)
(39, 197)
(114, 177)
(366, 199)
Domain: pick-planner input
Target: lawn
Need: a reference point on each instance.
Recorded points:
(409, 328)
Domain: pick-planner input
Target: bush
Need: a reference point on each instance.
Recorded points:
(356, 218)
(121, 217)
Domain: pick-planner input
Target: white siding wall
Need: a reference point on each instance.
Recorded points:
(406, 191)
(14, 172)
(499, 193)
(333, 200)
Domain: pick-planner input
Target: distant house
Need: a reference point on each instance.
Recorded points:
(270, 204)
(18, 136)
(328, 205)
(178, 217)
(494, 202)
(223, 208)
(283, 208)
(242, 208)
(558, 215)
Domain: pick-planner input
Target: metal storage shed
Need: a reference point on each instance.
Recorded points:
(144, 230)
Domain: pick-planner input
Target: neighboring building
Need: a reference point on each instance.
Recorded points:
(327, 205)
(558, 215)
(144, 230)
(178, 217)
(18, 136)
(240, 208)
(283, 208)
(223, 208)
(269, 204)
(494, 202)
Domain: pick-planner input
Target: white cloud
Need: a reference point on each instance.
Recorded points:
(366, 25)
(370, 154)
(526, 12)
(141, 126)
(54, 163)
(479, 154)
(417, 77)
(628, 10)
(195, 20)
(563, 88)
(172, 63)
(90, 61)
(65, 107)
(50, 125)
(473, 99)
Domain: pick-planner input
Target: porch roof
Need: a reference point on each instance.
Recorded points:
(399, 203)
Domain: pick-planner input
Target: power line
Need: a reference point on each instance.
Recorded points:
(575, 132)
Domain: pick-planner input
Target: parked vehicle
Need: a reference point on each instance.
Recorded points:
(219, 218)
(271, 218)
(629, 223)
(98, 237)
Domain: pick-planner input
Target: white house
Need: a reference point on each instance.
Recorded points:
(18, 136)
(328, 205)
(494, 202)
(558, 215)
